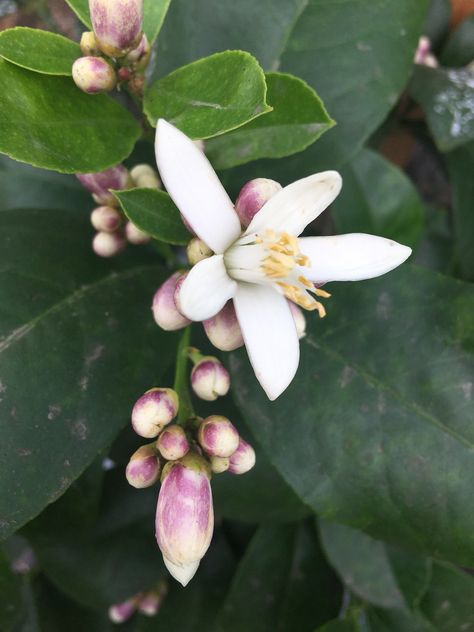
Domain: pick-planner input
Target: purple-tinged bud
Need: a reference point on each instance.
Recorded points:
(108, 244)
(177, 289)
(99, 183)
(93, 75)
(124, 74)
(218, 436)
(25, 562)
(185, 516)
(135, 236)
(153, 411)
(117, 25)
(210, 379)
(423, 54)
(219, 464)
(243, 458)
(197, 250)
(164, 308)
(299, 318)
(223, 329)
(121, 612)
(172, 443)
(143, 469)
(151, 601)
(145, 177)
(89, 44)
(253, 196)
(106, 219)
(139, 57)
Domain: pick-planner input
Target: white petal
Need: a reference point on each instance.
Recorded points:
(182, 574)
(269, 334)
(298, 204)
(351, 257)
(195, 188)
(206, 289)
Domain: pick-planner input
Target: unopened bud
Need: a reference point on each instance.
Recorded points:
(164, 308)
(223, 329)
(143, 469)
(100, 183)
(153, 411)
(299, 318)
(218, 436)
(172, 443)
(210, 379)
(253, 196)
(423, 54)
(139, 57)
(134, 235)
(108, 244)
(151, 601)
(89, 44)
(93, 74)
(106, 219)
(124, 74)
(185, 516)
(117, 25)
(197, 250)
(219, 464)
(145, 177)
(25, 562)
(121, 612)
(136, 84)
(243, 458)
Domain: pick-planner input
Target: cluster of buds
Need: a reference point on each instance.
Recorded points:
(223, 329)
(147, 603)
(113, 230)
(116, 51)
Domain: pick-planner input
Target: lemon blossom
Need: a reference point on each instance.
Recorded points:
(268, 263)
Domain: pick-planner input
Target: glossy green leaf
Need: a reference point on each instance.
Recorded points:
(209, 96)
(297, 120)
(339, 626)
(155, 213)
(382, 402)
(81, 9)
(459, 48)
(377, 198)
(48, 122)
(446, 96)
(437, 20)
(40, 51)
(10, 596)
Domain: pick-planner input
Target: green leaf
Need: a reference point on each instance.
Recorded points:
(81, 9)
(40, 51)
(382, 402)
(10, 596)
(446, 96)
(378, 198)
(459, 48)
(155, 213)
(437, 20)
(209, 96)
(297, 120)
(48, 122)
(448, 602)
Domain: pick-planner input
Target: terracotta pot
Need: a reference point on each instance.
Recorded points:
(461, 9)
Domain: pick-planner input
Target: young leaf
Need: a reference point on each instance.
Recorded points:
(459, 48)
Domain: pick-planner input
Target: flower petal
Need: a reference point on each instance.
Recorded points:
(195, 188)
(182, 574)
(269, 334)
(351, 257)
(298, 204)
(206, 289)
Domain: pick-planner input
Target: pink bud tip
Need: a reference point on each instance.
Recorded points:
(138, 57)
(172, 443)
(93, 74)
(99, 183)
(243, 458)
(106, 219)
(164, 308)
(117, 24)
(223, 329)
(150, 604)
(210, 379)
(135, 236)
(108, 244)
(153, 411)
(218, 436)
(143, 469)
(253, 196)
(121, 612)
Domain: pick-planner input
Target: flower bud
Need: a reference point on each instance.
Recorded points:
(151, 601)
(172, 443)
(124, 74)
(253, 196)
(197, 250)
(185, 516)
(223, 329)
(243, 458)
(153, 411)
(219, 464)
(93, 74)
(106, 219)
(143, 469)
(108, 244)
(121, 612)
(99, 183)
(89, 44)
(299, 318)
(423, 54)
(139, 56)
(218, 436)
(145, 177)
(117, 25)
(134, 235)
(210, 379)
(164, 308)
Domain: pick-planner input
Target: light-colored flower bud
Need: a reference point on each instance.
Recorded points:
(153, 411)
(93, 75)
(185, 516)
(106, 219)
(135, 236)
(243, 458)
(253, 196)
(164, 308)
(223, 329)
(143, 469)
(219, 464)
(299, 318)
(210, 379)
(173, 443)
(177, 289)
(197, 250)
(117, 25)
(108, 244)
(89, 44)
(218, 436)
(145, 177)
(151, 601)
(139, 57)
(24, 562)
(423, 54)
(100, 183)
(121, 612)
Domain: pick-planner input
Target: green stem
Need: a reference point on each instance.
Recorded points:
(181, 379)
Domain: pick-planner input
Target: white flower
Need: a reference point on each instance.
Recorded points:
(267, 263)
